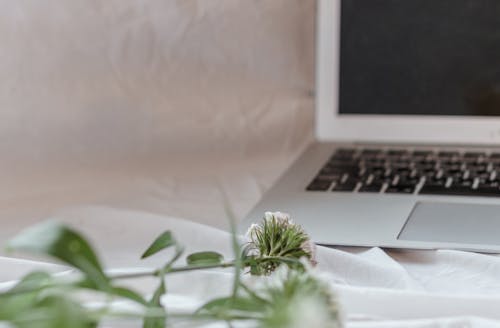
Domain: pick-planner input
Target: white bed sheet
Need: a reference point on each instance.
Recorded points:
(376, 288)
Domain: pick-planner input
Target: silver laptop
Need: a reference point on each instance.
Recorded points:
(407, 125)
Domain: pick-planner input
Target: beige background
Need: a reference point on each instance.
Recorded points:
(110, 101)
(127, 79)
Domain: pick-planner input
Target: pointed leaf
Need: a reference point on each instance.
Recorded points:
(33, 281)
(204, 258)
(163, 241)
(225, 305)
(128, 294)
(65, 244)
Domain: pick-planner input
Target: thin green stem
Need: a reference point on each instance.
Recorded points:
(202, 267)
(156, 273)
(132, 275)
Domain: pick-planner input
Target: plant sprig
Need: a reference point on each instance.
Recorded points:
(40, 300)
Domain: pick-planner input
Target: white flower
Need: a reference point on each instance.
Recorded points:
(310, 248)
(280, 217)
(277, 239)
(252, 230)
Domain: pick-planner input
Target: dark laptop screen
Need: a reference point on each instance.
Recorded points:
(420, 57)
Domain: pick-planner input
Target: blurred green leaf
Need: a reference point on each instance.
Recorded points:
(14, 305)
(31, 282)
(225, 306)
(157, 321)
(122, 292)
(204, 258)
(128, 294)
(37, 302)
(21, 297)
(64, 244)
(54, 311)
(163, 241)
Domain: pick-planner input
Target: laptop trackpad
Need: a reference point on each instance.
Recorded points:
(453, 223)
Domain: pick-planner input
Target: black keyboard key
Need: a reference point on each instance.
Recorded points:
(345, 169)
(330, 178)
(488, 191)
(405, 171)
(460, 190)
(328, 170)
(470, 160)
(339, 158)
(447, 154)
(397, 152)
(433, 186)
(474, 154)
(478, 166)
(346, 186)
(422, 153)
(345, 151)
(408, 181)
(433, 189)
(375, 168)
(463, 183)
(319, 185)
(426, 168)
(450, 165)
(343, 155)
(370, 152)
(374, 187)
(494, 183)
(401, 189)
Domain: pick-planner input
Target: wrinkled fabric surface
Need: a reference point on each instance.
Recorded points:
(125, 118)
(375, 288)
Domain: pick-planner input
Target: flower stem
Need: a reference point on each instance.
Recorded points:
(230, 264)
(155, 273)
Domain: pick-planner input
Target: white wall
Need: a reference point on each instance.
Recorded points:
(110, 80)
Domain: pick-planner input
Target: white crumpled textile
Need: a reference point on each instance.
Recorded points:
(125, 118)
(375, 288)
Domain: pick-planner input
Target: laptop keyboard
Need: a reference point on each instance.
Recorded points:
(398, 171)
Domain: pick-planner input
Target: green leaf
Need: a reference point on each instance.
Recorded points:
(37, 302)
(33, 281)
(204, 258)
(14, 305)
(163, 241)
(64, 244)
(22, 296)
(129, 294)
(55, 311)
(224, 306)
(113, 290)
(156, 315)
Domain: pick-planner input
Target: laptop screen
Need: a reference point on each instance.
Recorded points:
(420, 57)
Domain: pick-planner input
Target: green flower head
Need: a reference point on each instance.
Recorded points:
(277, 240)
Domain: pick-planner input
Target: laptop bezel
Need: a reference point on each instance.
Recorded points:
(330, 126)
